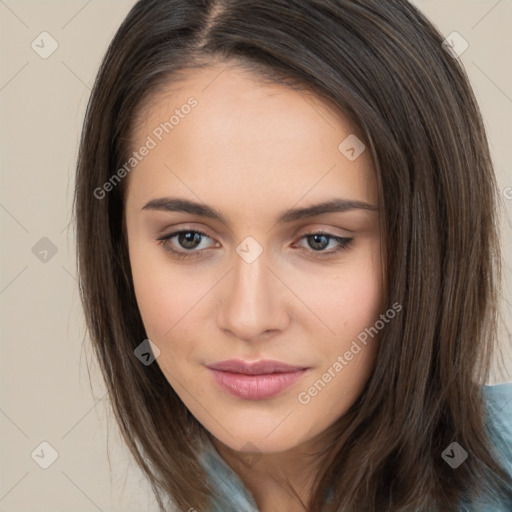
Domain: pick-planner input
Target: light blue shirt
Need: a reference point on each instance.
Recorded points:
(234, 497)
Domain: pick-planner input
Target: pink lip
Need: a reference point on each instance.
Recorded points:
(255, 381)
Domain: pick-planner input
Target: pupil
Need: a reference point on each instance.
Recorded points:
(321, 244)
(189, 238)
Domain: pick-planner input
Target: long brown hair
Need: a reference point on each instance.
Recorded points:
(382, 64)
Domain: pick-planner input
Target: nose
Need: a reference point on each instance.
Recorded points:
(253, 301)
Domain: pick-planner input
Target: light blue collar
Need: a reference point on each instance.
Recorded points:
(230, 494)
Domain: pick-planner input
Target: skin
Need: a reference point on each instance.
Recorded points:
(252, 150)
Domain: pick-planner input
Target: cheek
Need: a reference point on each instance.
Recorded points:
(160, 292)
(151, 291)
(349, 300)
(360, 301)
(165, 303)
(165, 306)
(351, 310)
(171, 300)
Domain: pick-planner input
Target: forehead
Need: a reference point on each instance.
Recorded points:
(250, 134)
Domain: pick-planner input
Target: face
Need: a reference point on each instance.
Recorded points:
(256, 301)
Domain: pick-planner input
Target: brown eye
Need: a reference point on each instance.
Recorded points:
(317, 242)
(187, 241)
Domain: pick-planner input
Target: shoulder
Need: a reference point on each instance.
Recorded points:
(229, 491)
(498, 393)
(498, 421)
(498, 403)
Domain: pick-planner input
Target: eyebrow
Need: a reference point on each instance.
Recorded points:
(171, 204)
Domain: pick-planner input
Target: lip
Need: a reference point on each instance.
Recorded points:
(255, 380)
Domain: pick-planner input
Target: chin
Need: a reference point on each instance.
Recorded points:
(263, 439)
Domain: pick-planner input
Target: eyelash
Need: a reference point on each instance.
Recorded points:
(344, 244)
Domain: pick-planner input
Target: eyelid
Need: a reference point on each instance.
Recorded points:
(167, 230)
(321, 229)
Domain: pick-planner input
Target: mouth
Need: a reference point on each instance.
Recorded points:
(255, 381)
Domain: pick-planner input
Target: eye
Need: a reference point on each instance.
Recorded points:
(187, 239)
(317, 242)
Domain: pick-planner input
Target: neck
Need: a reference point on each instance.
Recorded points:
(277, 481)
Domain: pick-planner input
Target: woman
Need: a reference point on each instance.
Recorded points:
(288, 259)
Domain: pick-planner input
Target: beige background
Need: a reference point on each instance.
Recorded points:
(45, 393)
